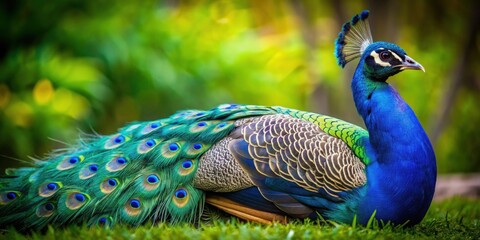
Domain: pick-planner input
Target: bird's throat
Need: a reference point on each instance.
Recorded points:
(394, 130)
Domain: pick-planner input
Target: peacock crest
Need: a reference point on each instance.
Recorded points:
(354, 38)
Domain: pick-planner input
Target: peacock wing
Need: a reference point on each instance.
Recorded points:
(295, 164)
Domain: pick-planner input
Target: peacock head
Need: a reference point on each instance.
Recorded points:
(382, 60)
(379, 60)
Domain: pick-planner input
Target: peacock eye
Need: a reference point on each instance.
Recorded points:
(385, 56)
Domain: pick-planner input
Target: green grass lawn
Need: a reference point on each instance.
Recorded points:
(450, 219)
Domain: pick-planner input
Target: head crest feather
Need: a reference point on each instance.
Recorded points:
(353, 39)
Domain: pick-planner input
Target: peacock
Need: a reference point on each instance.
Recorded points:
(261, 164)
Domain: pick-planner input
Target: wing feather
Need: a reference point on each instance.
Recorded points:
(299, 151)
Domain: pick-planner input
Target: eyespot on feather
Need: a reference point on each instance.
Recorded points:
(105, 221)
(153, 126)
(180, 197)
(195, 149)
(186, 167)
(199, 127)
(222, 126)
(146, 146)
(45, 210)
(8, 197)
(133, 207)
(116, 141)
(108, 185)
(152, 179)
(69, 162)
(171, 149)
(151, 182)
(76, 200)
(88, 171)
(117, 163)
(49, 188)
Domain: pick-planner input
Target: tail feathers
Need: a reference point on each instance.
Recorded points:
(142, 173)
(103, 199)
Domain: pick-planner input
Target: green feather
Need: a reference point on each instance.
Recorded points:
(143, 173)
(351, 134)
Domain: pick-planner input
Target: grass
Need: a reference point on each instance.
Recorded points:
(450, 219)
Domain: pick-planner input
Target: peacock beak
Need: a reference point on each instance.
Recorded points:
(409, 63)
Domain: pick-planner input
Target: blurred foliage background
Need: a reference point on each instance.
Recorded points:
(68, 67)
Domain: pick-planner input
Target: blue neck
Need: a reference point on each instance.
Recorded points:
(401, 177)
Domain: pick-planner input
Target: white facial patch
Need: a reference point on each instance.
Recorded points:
(396, 56)
(378, 61)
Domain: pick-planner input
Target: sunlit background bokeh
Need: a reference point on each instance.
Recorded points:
(68, 67)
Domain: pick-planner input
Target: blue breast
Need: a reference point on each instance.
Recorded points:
(401, 178)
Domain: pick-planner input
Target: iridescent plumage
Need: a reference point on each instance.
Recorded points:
(258, 163)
